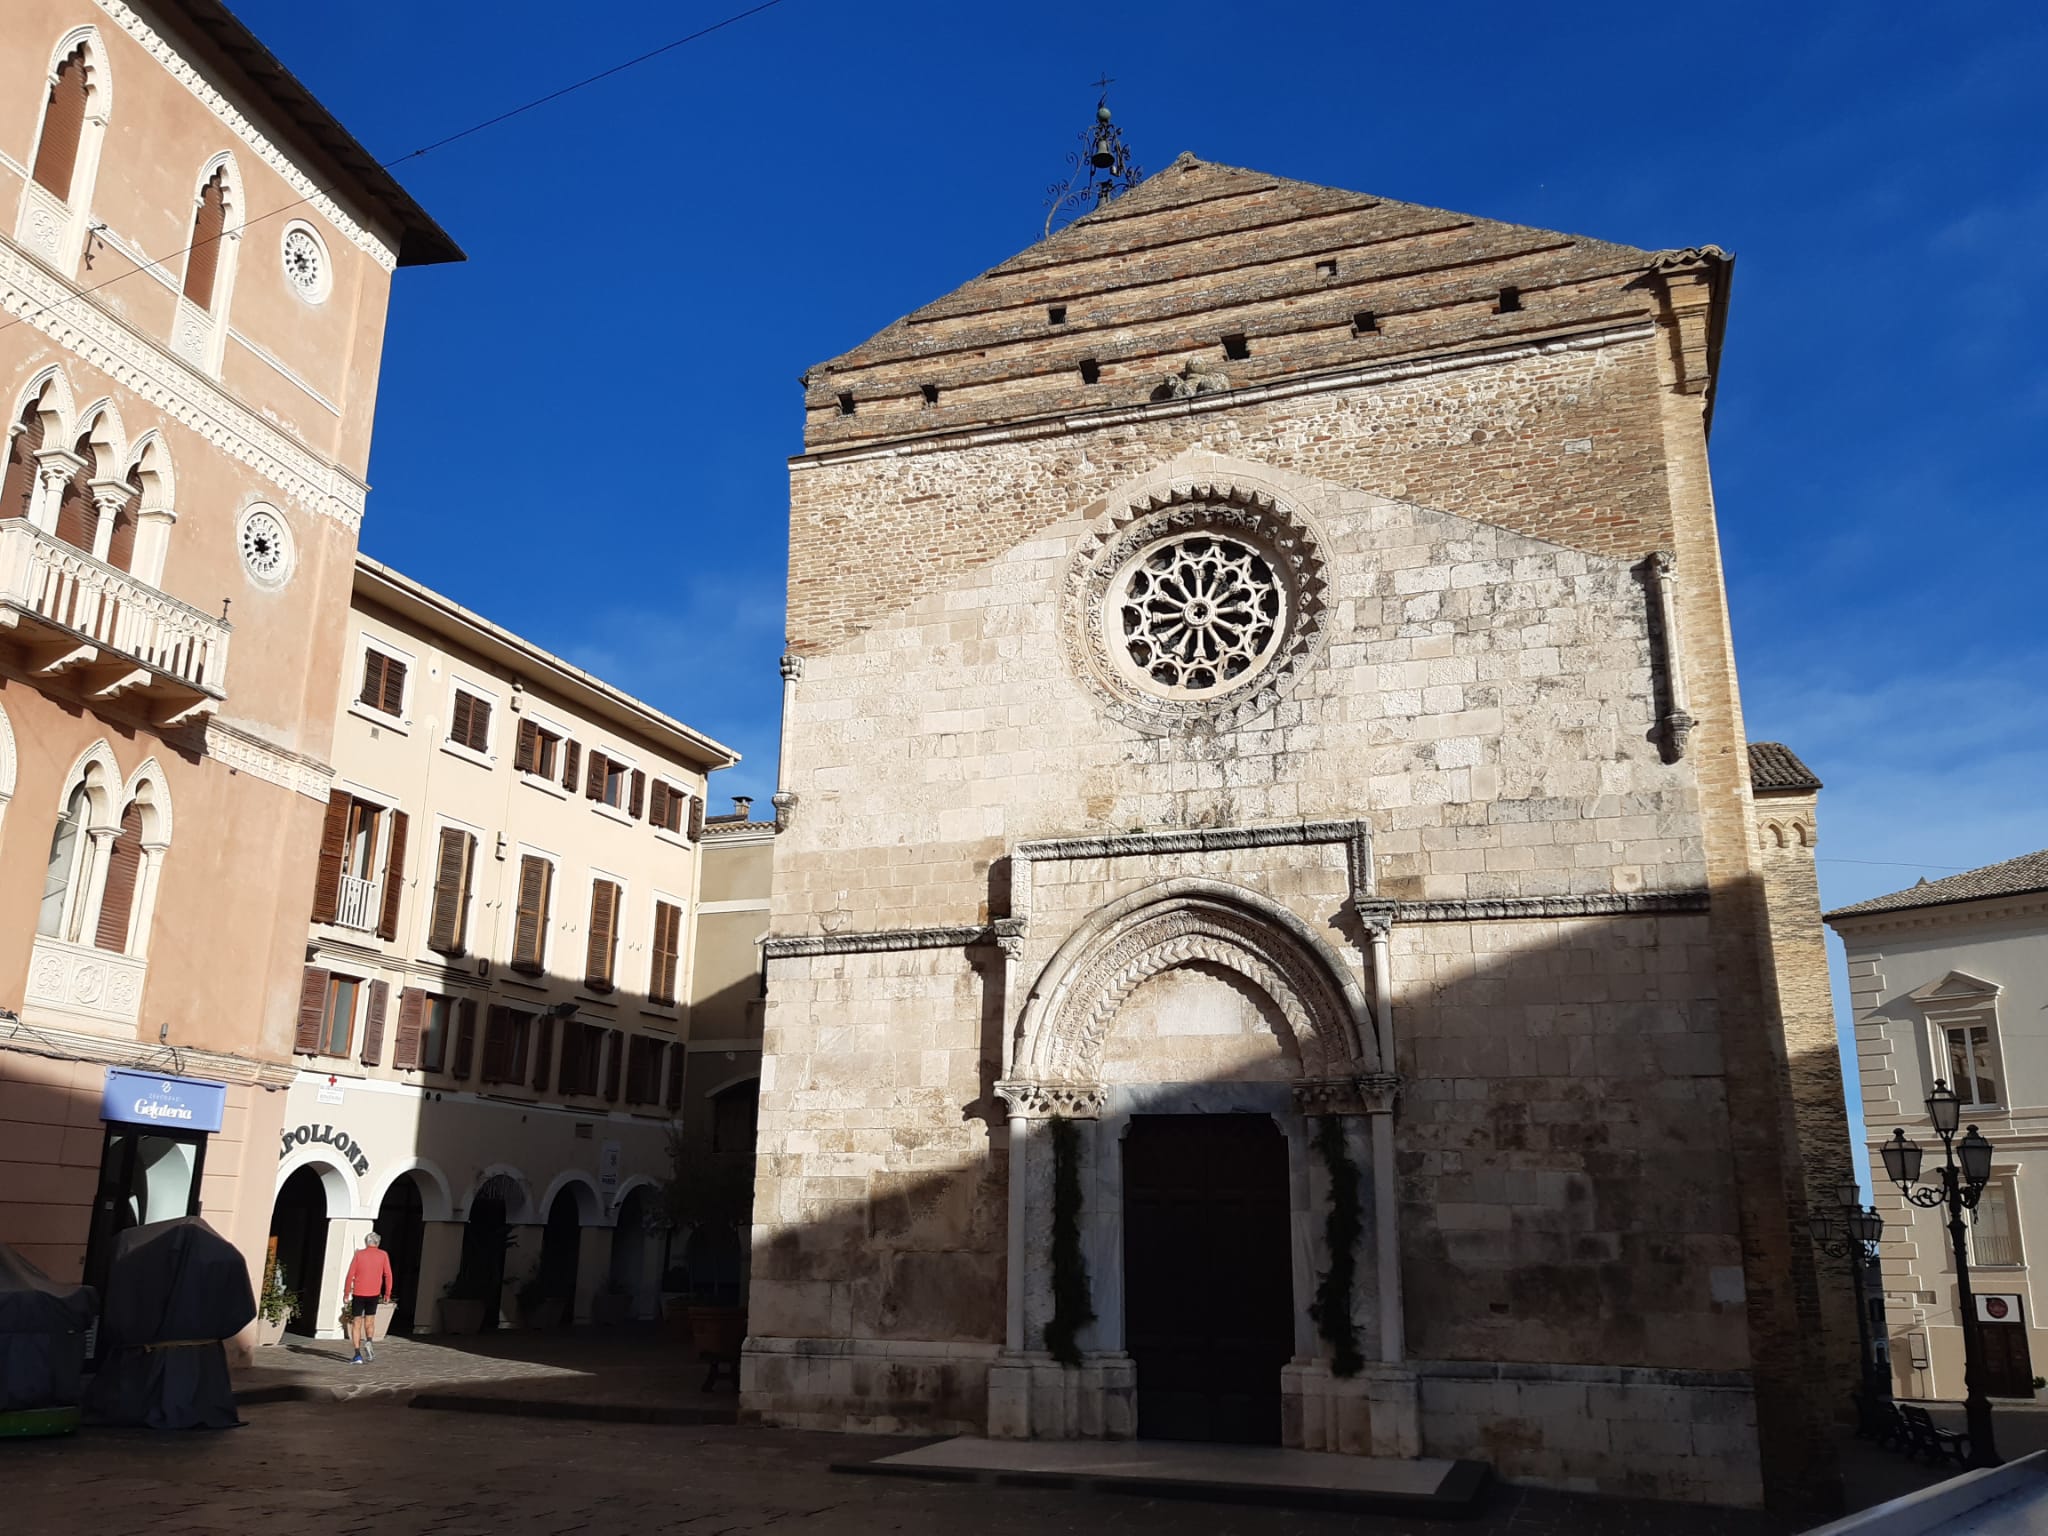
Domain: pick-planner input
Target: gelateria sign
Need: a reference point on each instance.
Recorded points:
(344, 1145)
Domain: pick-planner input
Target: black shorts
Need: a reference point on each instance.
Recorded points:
(365, 1306)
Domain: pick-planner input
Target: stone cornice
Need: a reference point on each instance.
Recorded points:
(59, 1044)
(1225, 400)
(1041, 1101)
(1355, 836)
(36, 296)
(244, 753)
(258, 143)
(1947, 914)
(1481, 909)
(794, 946)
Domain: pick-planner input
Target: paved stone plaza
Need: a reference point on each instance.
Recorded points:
(309, 1468)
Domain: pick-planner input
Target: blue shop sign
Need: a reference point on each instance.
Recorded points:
(176, 1103)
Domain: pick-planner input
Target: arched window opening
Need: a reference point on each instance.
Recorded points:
(202, 261)
(124, 874)
(64, 877)
(24, 442)
(77, 518)
(121, 546)
(63, 126)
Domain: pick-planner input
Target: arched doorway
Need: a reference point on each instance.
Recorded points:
(712, 1260)
(401, 1222)
(630, 1245)
(560, 1241)
(1207, 1195)
(480, 1276)
(298, 1223)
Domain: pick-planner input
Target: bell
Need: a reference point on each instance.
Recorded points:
(1102, 157)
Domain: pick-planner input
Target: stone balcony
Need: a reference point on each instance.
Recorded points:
(77, 984)
(119, 638)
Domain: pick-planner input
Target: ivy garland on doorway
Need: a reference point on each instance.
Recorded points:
(1341, 1228)
(1072, 1310)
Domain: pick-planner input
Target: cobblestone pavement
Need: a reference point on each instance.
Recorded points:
(378, 1468)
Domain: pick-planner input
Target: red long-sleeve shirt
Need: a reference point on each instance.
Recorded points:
(369, 1274)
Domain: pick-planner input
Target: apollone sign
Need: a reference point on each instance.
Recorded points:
(326, 1136)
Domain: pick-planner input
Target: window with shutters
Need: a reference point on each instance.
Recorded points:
(359, 877)
(469, 723)
(203, 252)
(106, 852)
(538, 753)
(67, 873)
(437, 1020)
(577, 1072)
(615, 785)
(124, 873)
(58, 196)
(530, 916)
(601, 960)
(735, 1114)
(507, 1036)
(337, 1021)
(1995, 1226)
(454, 869)
(383, 688)
(668, 945)
(667, 806)
(643, 1069)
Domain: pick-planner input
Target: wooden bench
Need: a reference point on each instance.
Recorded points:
(1926, 1438)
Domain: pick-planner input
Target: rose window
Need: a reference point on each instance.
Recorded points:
(1199, 613)
(305, 263)
(266, 547)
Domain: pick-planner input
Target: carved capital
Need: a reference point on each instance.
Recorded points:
(792, 666)
(1376, 914)
(1008, 933)
(785, 809)
(1041, 1101)
(110, 496)
(1379, 1091)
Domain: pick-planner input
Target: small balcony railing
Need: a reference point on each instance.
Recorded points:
(76, 613)
(1993, 1247)
(358, 903)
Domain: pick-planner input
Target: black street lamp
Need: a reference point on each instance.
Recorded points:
(1965, 1170)
(1861, 1228)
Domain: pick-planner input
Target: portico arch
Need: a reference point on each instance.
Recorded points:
(436, 1202)
(1069, 1012)
(583, 1189)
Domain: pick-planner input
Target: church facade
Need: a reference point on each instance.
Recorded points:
(1269, 937)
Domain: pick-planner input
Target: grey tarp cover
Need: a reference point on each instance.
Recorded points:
(42, 1336)
(176, 1289)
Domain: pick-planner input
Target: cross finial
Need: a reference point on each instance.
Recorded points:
(1105, 83)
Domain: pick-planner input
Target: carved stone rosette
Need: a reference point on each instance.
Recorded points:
(1285, 547)
(1041, 1101)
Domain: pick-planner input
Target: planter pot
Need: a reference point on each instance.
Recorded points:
(608, 1309)
(547, 1313)
(268, 1332)
(716, 1333)
(381, 1324)
(462, 1314)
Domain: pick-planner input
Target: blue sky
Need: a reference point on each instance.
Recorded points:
(583, 430)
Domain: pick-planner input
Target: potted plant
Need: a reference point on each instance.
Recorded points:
(541, 1305)
(612, 1305)
(275, 1304)
(465, 1298)
(707, 1191)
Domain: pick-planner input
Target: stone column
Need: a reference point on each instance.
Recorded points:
(785, 798)
(54, 469)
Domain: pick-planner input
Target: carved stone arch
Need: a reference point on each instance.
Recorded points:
(146, 786)
(8, 764)
(436, 1203)
(1067, 1018)
(95, 768)
(99, 424)
(1804, 835)
(519, 1202)
(338, 1182)
(590, 1211)
(1777, 834)
(99, 80)
(49, 393)
(149, 461)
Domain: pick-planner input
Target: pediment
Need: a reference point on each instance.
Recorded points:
(1956, 987)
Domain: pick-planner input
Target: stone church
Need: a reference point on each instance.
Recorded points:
(1271, 941)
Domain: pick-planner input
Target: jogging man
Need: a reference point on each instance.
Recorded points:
(369, 1282)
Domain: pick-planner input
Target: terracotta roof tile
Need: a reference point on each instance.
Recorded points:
(1774, 766)
(2015, 877)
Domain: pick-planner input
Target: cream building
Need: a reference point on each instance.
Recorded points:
(1272, 938)
(495, 1008)
(1948, 981)
(195, 267)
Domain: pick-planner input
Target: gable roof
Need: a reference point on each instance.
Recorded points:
(1313, 279)
(2015, 877)
(1774, 767)
(421, 241)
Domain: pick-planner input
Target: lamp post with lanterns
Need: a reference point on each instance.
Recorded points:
(1965, 1170)
(1860, 1228)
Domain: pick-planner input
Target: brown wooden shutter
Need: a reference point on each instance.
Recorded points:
(77, 518)
(458, 723)
(572, 761)
(465, 1036)
(639, 795)
(543, 1052)
(448, 927)
(518, 1027)
(497, 1064)
(121, 545)
(373, 679)
(616, 1043)
(657, 804)
(373, 1028)
(394, 878)
(412, 1008)
(663, 987)
(530, 929)
(529, 743)
(593, 787)
(604, 923)
(19, 486)
(569, 1069)
(203, 257)
(312, 1010)
(479, 738)
(63, 120)
(676, 1058)
(333, 848)
(124, 870)
(393, 701)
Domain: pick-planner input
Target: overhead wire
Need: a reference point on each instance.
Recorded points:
(412, 154)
